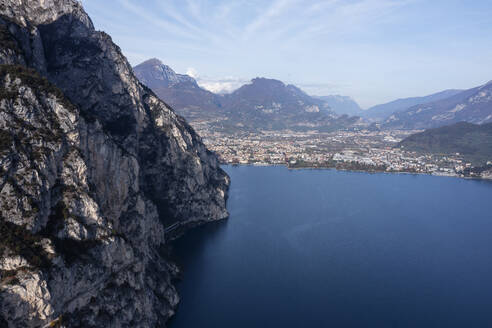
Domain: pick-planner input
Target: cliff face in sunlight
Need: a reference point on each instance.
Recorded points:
(93, 168)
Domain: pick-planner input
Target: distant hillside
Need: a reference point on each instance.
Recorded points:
(342, 104)
(269, 96)
(261, 104)
(473, 141)
(473, 106)
(383, 111)
(270, 104)
(154, 73)
(180, 91)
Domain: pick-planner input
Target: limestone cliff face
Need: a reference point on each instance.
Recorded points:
(93, 168)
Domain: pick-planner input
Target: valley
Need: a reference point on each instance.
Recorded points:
(283, 164)
(361, 150)
(267, 122)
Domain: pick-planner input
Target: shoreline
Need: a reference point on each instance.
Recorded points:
(361, 171)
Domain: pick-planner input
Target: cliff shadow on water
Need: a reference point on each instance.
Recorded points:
(195, 243)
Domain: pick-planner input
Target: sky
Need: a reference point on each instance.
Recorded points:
(372, 50)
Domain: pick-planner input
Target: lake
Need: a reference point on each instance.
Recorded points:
(325, 248)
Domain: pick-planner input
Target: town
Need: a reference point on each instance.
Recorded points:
(359, 150)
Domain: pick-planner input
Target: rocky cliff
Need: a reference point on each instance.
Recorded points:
(93, 169)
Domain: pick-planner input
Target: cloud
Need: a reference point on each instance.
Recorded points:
(222, 85)
(217, 85)
(323, 88)
(276, 9)
(156, 20)
(192, 72)
(378, 47)
(333, 18)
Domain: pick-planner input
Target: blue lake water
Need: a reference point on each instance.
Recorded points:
(323, 248)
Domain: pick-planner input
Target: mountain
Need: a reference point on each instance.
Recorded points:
(180, 91)
(261, 104)
(473, 141)
(154, 73)
(342, 105)
(473, 105)
(95, 171)
(381, 112)
(272, 105)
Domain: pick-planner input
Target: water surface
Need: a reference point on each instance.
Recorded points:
(323, 248)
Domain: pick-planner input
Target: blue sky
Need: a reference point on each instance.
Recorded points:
(372, 50)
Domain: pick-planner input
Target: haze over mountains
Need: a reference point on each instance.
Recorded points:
(473, 106)
(342, 105)
(270, 104)
(261, 104)
(383, 111)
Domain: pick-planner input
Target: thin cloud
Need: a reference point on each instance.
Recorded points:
(276, 9)
(217, 85)
(192, 72)
(222, 85)
(192, 26)
(156, 21)
(364, 43)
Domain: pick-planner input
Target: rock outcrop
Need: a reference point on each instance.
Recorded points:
(93, 169)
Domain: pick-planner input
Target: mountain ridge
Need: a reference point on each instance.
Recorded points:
(473, 105)
(160, 72)
(180, 91)
(342, 104)
(262, 103)
(382, 111)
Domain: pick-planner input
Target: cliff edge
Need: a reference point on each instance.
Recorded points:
(93, 169)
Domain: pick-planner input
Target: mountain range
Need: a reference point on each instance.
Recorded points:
(342, 105)
(473, 106)
(272, 105)
(178, 90)
(261, 104)
(381, 112)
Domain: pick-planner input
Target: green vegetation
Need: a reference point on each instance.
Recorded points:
(73, 250)
(70, 249)
(473, 142)
(7, 40)
(121, 126)
(28, 135)
(474, 172)
(5, 140)
(22, 242)
(56, 220)
(34, 81)
(346, 166)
